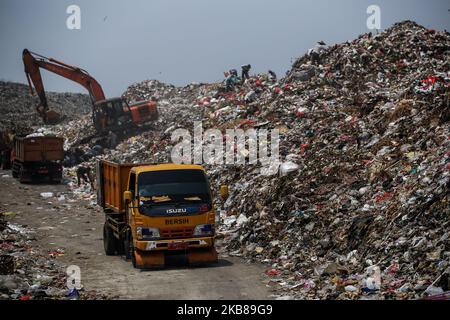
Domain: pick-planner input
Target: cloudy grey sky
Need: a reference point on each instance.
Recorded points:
(180, 41)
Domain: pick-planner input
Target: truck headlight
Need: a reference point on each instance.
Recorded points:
(204, 230)
(147, 233)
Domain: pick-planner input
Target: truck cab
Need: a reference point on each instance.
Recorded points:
(161, 209)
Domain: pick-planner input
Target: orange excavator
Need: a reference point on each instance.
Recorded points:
(107, 114)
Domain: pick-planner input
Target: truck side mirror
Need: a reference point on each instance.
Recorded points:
(127, 197)
(224, 192)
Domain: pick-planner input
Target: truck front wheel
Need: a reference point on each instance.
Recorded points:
(109, 241)
(129, 249)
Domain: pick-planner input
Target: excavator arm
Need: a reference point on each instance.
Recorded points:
(33, 62)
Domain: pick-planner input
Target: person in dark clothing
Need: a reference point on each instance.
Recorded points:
(245, 70)
(112, 140)
(234, 72)
(5, 163)
(273, 76)
(73, 157)
(78, 155)
(85, 174)
(231, 80)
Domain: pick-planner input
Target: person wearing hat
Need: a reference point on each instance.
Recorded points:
(316, 52)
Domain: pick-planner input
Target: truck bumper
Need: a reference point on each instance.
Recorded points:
(174, 244)
(151, 254)
(33, 171)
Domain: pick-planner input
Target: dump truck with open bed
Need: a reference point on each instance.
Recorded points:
(37, 158)
(155, 210)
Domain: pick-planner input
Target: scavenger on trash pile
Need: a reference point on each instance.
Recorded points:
(85, 174)
(245, 72)
(359, 206)
(316, 52)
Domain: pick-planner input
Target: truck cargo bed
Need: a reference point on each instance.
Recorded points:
(39, 149)
(112, 179)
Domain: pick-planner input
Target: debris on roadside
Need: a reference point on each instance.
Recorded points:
(26, 273)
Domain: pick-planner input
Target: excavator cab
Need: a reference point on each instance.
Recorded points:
(110, 114)
(115, 113)
(144, 111)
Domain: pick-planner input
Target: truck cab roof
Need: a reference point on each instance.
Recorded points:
(167, 166)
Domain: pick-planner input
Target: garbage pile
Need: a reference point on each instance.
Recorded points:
(366, 179)
(16, 102)
(175, 105)
(27, 273)
(358, 208)
(371, 188)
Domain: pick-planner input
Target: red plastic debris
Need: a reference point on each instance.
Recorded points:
(393, 269)
(273, 272)
(367, 162)
(384, 196)
(248, 122)
(304, 146)
(300, 114)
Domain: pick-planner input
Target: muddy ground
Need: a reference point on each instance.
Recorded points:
(76, 227)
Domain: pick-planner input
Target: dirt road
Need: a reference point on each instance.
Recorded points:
(76, 227)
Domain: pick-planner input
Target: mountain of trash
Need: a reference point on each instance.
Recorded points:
(359, 208)
(16, 102)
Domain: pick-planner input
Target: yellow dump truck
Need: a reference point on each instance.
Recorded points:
(155, 210)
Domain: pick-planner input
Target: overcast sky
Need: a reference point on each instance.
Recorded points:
(181, 41)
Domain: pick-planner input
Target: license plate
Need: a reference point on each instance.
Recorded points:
(43, 171)
(177, 246)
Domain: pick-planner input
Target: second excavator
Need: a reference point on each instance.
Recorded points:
(107, 114)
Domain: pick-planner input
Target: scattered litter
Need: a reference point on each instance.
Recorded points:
(46, 195)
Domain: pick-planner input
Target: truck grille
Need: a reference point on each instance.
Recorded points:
(174, 233)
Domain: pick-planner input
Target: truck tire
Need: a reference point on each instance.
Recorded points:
(109, 241)
(15, 172)
(21, 175)
(133, 261)
(120, 247)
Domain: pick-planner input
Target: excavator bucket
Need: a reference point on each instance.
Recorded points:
(147, 260)
(52, 117)
(196, 257)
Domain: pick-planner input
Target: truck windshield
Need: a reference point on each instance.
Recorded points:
(173, 186)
